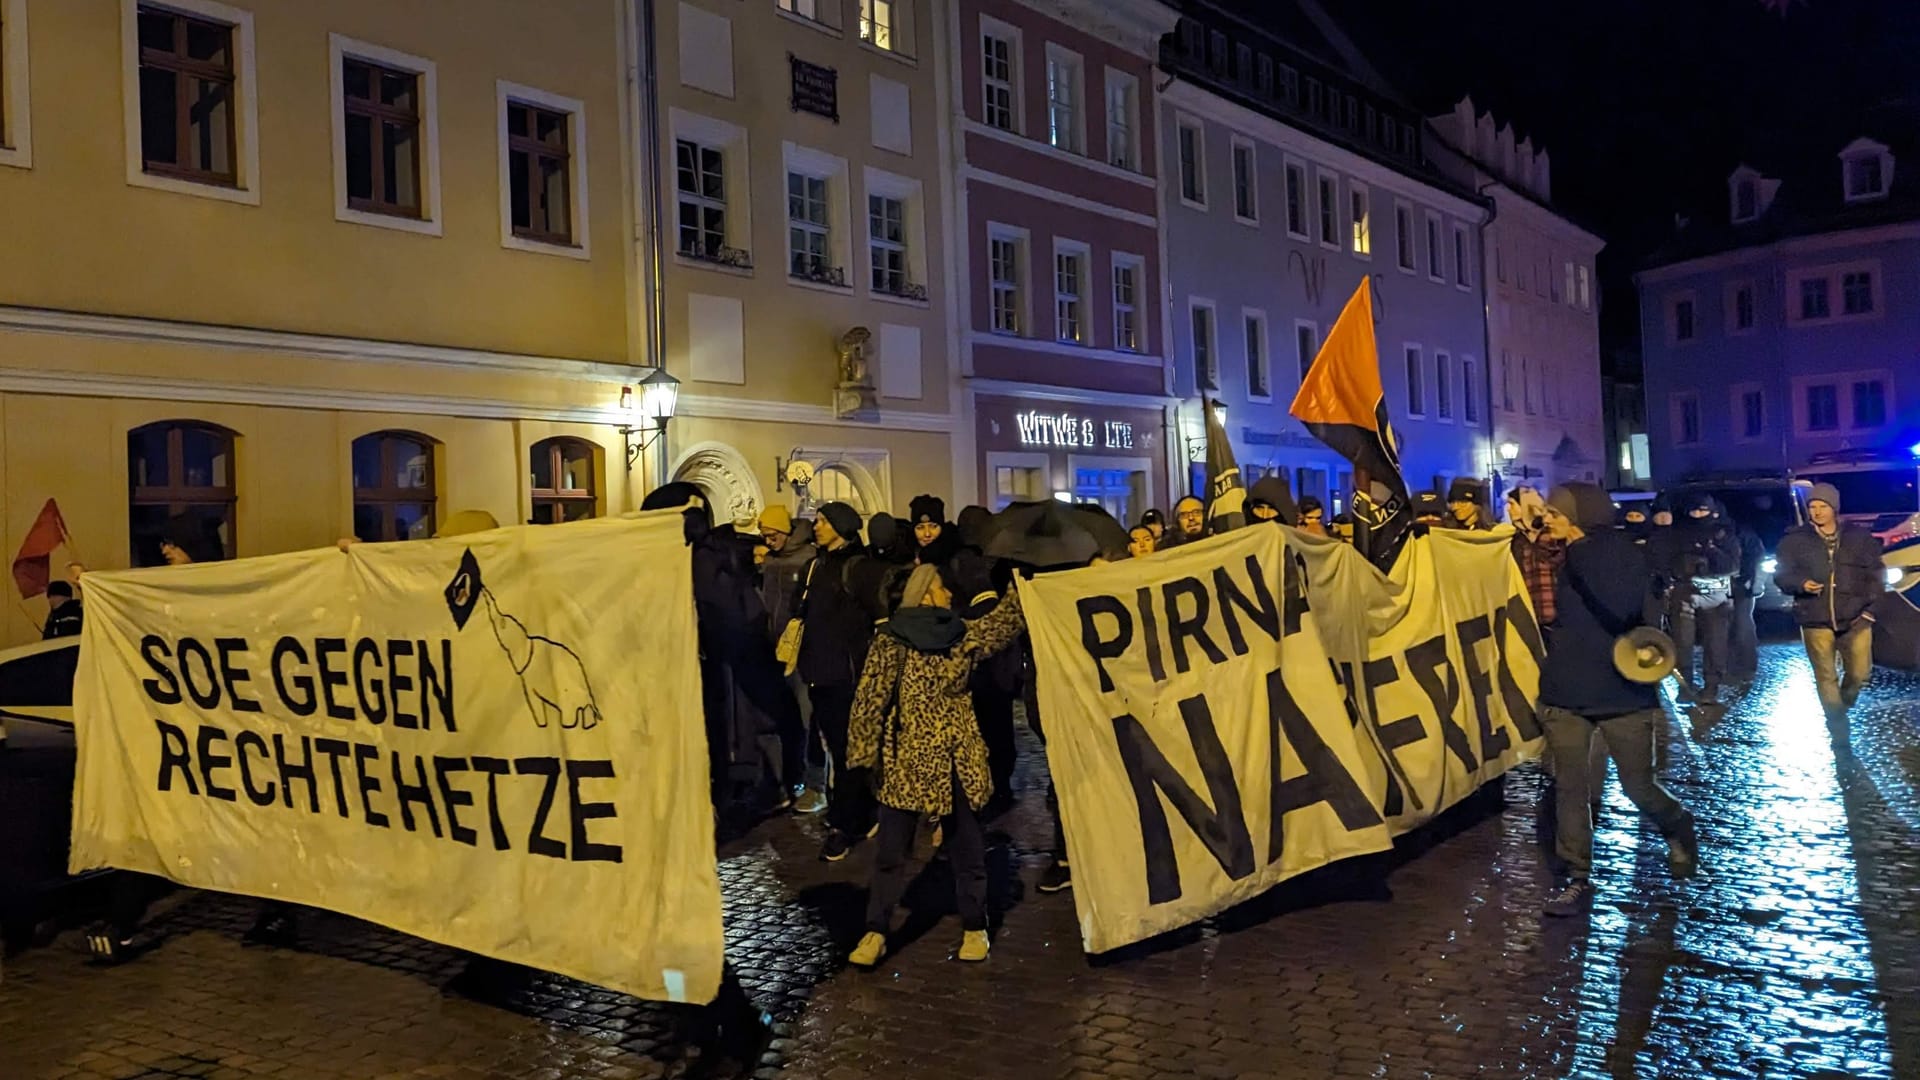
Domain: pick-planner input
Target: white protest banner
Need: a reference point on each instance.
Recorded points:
(1212, 731)
(491, 741)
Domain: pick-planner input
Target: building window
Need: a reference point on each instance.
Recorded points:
(1063, 100)
(1069, 292)
(1362, 220)
(1746, 201)
(1443, 386)
(1462, 258)
(1416, 390)
(701, 178)
(1753, 413)
(16, 122)
(1296, 200)
(1403, 240)
(1330, 210)
(382, 115)
(1814, 303)
(1246, 206)
(1572, 293)
(809, 256)
(187, 97)
(1436, 265)
(876, 23)
(393, 486)
(563, 481)
(1004, 265)
(1526, 385)
(1206, 365)
(1193, 167)
(1259, 372)
(806, 9)
(1586, 290)
(1126, 303)
(1469, 398)
(1123, 120)
(1682, 319)
(180, 485)
(1686, 420)
(539, 165)
(1866, 177)
(1869, 404)
(1306, 346)
(1743, 308)
(1856, 292)
(1020, 483)
(887, 244)
(1823, 407)
(999, 63)
(1263, 79)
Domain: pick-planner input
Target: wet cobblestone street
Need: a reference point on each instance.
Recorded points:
(1794, 953)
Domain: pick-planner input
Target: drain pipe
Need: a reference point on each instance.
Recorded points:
(655, 252)
(1486, 331)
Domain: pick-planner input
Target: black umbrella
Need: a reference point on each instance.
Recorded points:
(1054, 534)
(36, 681)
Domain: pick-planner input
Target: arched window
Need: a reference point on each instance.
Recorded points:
(393, 486)
(834, 484)
(563, 483)
(180, 486)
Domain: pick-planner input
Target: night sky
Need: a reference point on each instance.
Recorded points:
(1647, 105)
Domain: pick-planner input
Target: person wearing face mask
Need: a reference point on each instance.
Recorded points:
(1834, 572)
(1272, 500)
(1428, 511)
(913, 728)
(1467, 505)
(1702, 558)
(1313, 515)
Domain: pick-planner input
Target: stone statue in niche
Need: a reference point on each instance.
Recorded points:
(855, 397)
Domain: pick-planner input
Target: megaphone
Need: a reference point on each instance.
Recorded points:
(1644, 655)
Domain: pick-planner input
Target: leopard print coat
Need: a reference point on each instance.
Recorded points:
(930, 733)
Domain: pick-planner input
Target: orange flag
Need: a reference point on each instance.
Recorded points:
(32, 568)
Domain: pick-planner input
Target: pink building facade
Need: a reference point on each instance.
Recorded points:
(1064, 372)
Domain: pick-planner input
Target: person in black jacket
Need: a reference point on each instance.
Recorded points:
(63, 612)
(1598, 596)
(1702, 557)
(1743, 651)
(833, 650)
(1834, 573)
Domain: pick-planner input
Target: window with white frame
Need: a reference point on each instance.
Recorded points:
(191, 108)
(386, 144)
(1000, 75)
(1740, 310)
(1822, 407)
(1128, 271)
(1572, 292)
(1123, 120)
(1686, 419)
(1469, 391)
(877, 24)
(1360, 216)
(1681, 323)
(1442, 385)
(1306, 345)
(1856, 292)
(1746, 200)
(809, 253)
(1869, 404)
(1065, 115)
(1839, 293)
(1436, 256)
(1006, 274)
(1462, 257)
(1586, 289)
(1070, 293)
(543, 171)
(700, 183)
(1749, 411)
(1816, 301)
(1329, 211)
(1206, 360)
(1296, 200)
(1416, 382)
(1403, 239)
(806, 9)
(1866, 169)
(1246, 195)
(896, 259)
(1259, 368)
(16, 119)
(1193, 165)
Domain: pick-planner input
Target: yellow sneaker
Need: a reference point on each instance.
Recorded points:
(868, 952)
(974, 946)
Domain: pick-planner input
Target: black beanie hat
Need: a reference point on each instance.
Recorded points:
(844, 519)
(927, 508)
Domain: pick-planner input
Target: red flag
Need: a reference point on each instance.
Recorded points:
(31, 567)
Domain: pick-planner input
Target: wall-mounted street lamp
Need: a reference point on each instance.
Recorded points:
(1509, 452)
(659, 396)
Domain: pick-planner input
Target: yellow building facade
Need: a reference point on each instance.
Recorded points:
(279, 272)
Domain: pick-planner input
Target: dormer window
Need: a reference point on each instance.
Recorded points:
(1866, 170)
(1749, 194)
(1746, 201)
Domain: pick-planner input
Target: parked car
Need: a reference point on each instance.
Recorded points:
(1896, 637)
(1879, 490)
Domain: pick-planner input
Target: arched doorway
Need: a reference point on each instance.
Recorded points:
(724, 476)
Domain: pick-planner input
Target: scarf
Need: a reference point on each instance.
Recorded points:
(927, 629)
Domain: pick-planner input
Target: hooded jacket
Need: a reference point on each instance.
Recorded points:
(839, 626)
(1599, 594)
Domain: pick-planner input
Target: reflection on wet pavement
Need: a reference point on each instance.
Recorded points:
(1795, 953)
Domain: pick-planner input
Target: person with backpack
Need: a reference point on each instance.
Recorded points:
(837, 628)
(1834, 572)
(913, 730)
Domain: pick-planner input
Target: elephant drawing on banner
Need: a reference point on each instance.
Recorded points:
(553, 679)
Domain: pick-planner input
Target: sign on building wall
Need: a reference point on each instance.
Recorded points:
(1079, 432)
(816, 89)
